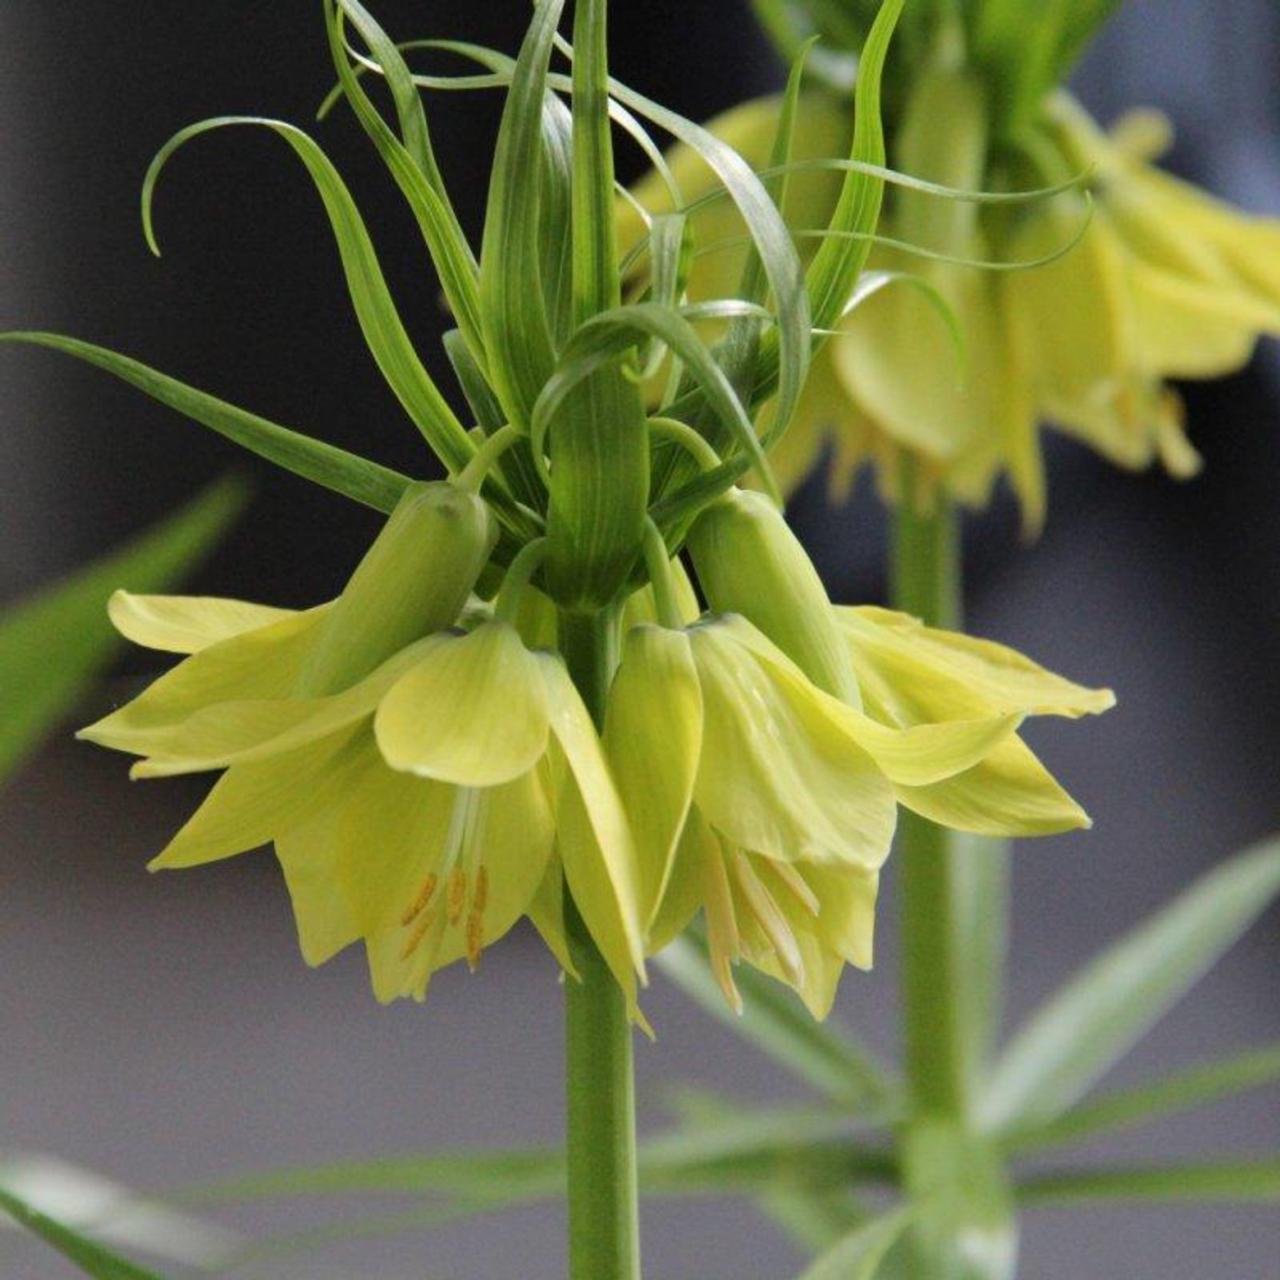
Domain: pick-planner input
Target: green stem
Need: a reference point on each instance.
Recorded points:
(925, 582)
(604, 1229)
(952, 911)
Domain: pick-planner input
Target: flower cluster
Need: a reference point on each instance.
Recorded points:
(1151, 280)
(519, 702)
(429, 774)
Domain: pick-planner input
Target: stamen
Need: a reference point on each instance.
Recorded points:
(457, 894)
(793, 880)
(480, 895)
(420, 903)
(768, 915)
(416, 937)
(475, 940)
(722, 926)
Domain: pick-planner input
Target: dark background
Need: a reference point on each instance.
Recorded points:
(164, 1029)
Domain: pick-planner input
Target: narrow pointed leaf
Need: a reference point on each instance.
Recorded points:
(1117, 998)
(516, 327)
(860, 1254)
(346, 473)
(412, 165)
(778, 1024)
(89, 1258)
(835, 270)
(1247, 1181)
(1184, 1091)
(380, 322)
(52, 645)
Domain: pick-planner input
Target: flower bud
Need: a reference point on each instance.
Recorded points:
(414, 580)
(749, 562)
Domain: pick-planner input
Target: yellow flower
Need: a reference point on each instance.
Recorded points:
(1165, 283)
(770, 805)
(422, 799)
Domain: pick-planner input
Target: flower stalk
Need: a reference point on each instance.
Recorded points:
(600, 1106)
(943, 1034)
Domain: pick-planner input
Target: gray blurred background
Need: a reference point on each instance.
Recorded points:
(164, 1029)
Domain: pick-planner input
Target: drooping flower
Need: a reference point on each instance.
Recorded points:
(762, 751)
(771, 805)
(412, 775)
(1165, 282)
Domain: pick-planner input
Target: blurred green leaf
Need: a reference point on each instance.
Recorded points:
(1118, 997)
(1181, 1092)
(346, 473)
(88, 1257)
(380, 322)
(776, 1022)
(1247, 1180)
(53, 644)
(859, 1255)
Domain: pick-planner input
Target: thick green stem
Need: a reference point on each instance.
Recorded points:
(926, 584)
(604, 1228)
(952, 912)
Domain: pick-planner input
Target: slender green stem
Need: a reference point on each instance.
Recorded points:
(604, 1229)
(926, 583)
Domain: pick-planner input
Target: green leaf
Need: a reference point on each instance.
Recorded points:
(90, 1258)
(380, 322)
(788, 359)
(608, 335)
(859, 1255)
(516, 326)
(596, 283)
(345, 473)
(776, 1022)
(52, 645)
(1246, 1180)
(1116, 999)
(835, 270)
(1183, 1091)
(673, 513)
(503, 1176)
(411, 164)
(980, 900)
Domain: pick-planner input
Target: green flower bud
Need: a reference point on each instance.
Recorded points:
(414, 580)
(749, 562)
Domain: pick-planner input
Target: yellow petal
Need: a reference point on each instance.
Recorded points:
(401, 860)
(473, 711)
(1009, 794)
(914, 756)
(653, 737)
(918, 673)
(1072, 317)
(1190, 329)
(682, 896)
(777, 775)
(186, 624)
(251, 804)
(898, 361)
(244, 732)
(596, 846)
(256, 665)
(546, 911)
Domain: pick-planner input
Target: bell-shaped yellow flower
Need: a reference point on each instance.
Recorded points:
(1164, 283)
(423, 803)
(771, 804)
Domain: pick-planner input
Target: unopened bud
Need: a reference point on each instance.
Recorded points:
(414, 580)
(749, 562)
